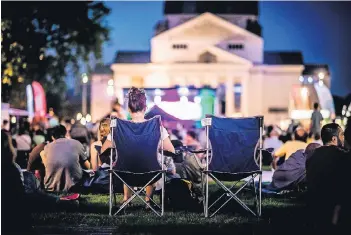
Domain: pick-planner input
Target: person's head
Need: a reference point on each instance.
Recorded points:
(21, 131)
(317, 136)
(300, 134)
(332, 134)
(58, 132)
(190, 137)
(36, 127)
(275, 132)
(104, 128)
(116, 106)
(136, 100)
(315, 106)
(310, 149)
(269, 130)
(4, 123)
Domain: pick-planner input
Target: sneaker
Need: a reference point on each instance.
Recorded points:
(71, 197)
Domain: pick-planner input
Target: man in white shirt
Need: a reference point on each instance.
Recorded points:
(273, 140)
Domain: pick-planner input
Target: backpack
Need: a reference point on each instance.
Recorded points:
(179, 196)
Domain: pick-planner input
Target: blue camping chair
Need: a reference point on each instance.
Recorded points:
(137, 147)
(231, 149)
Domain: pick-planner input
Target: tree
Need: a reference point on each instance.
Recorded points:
(42, 41)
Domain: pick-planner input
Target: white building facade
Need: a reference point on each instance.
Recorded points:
(210, 50)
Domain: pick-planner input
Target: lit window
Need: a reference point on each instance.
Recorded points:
(180, 46)
(235, 46)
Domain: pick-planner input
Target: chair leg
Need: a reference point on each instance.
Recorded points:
(111, 191)
(207, 197)
(260, 195)
(255, 194)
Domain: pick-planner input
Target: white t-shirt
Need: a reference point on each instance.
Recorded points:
(24, 142)
(272, 142)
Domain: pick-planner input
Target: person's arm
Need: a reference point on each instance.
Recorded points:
(94, 157)
(34, 156)
(83, 157)
(168, 146)
(278, 154)
(86, 164)
(106, 145)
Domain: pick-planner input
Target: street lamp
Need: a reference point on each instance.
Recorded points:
(85, 80)
(321, 75)
(110, 87)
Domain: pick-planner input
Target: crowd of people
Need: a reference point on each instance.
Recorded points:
(62, 157)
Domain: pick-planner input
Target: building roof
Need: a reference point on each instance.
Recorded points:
(283, 58)
(216, 7)
(102, 69)
(313, 68)
(132, 57)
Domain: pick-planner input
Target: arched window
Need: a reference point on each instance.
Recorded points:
(207, 57)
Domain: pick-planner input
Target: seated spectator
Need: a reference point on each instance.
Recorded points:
(326, 172)
(290, 147)
(38, 137)
(191, 141)
(80, 132)
(137, 108)
(35, 163)
(5, 126)
(24, 145)
(273, 141)
(347, 144)
(317, 139)
(292, 172)
(174, 135)
(116, 110)
(13, 195)
(95, 149)
(62, 160)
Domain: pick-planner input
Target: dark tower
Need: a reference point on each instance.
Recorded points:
(215, 7)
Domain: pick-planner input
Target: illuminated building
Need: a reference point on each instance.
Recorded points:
(216, 54)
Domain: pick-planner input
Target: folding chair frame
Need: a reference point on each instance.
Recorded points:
(136, 193)
(207, 122)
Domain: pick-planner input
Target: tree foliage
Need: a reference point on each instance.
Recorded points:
(40, 40)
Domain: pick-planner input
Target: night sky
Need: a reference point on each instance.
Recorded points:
(321, 30)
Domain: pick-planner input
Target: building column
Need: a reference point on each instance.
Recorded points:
(229, 97)
(244, 95)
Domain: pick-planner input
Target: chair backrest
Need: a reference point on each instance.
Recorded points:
(137, 145)
(234, 142)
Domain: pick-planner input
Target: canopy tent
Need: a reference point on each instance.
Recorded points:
(17, 112)
(155, 110)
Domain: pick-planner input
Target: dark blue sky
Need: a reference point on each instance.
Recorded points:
(321, 30)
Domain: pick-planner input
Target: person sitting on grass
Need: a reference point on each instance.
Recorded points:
(290, 147)
(63, 160)
(137, 108)
(326, 171)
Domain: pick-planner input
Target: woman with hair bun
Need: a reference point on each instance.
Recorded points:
(137, 109)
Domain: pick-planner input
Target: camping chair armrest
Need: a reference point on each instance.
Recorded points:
(167, 153)
(200, 151)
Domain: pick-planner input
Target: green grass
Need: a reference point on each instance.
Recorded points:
(92, 216)
(266, 168)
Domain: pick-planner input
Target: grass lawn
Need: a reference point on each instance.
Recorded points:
(91, 217)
